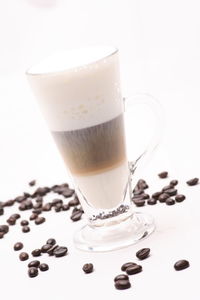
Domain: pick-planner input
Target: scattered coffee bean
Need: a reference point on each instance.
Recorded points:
(170, 201)
(15, 216)
(44, 267)
(163, 197)
(174, 182)
(22, 207)
(51, 241)
(45, 248)
(11, 221)
(32, 183)
(138, 192)
(51, 250)
(60, 251)
(37, 205)
(24, 222)
(32, 272)
(141, 184)
(65, 206)
(167, 187)
(9, 203)
(4, 228)
(20, 199)
(41, 191)
(134, 269)
(47, 207)
(180, 198)
(151, 201)
(88, 268)
(36, 252)
(74, 202)
(76, 216)
(18, 246)
(25, 229)
(126, 265)
(39, 220)
(34, 263)
(39, 199)
(122, 284)
(143, 253)
(33, 217)
(193, 181)
(1, 211)
(138, 202)
(58, 207)
(56, 201)
(23, 256)
(68, 193)
(37, 211)
(156, 195)
(181, 265)
(163, 174)
(1, 235)
(171, 192)
(121, 277)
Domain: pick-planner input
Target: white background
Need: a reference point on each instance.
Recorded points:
(159, 43)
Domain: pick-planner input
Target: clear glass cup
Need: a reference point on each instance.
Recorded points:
(80, 97)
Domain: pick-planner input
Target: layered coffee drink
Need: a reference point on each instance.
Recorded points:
(82, 103)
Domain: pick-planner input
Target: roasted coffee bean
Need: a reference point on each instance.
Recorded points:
(18, 246)
(23, 256)
(4, 228)
(51, 241)
(60, 251)
(45, 248)
(163, 174)
(76, 216)
(174, 182)
(138, 192)
(134, 269)
(33, 217)
(20, 199)
(56, 201)
(1, 235)
(167, 187)
(36, 252)
(37, 205)
(39, 220)
(39, 199)
(44, 267)
(193, 181)
(24, 222)
(51, 250)
(9, 203)
(74, 202)
(11, 221)
(179, 198)
(37, 211)
(25, 229)
(142, 185)
(75, 209)
(15, 216)
(163, 197)
(58, 207)
(1, 211)
(88, 268)
(34, 263)
(122, 284)
(181, 265)
(156, 195)
(32, 272)
(121, 277)
(47, 207)
(143, 253)
(170, 201)
(22, 206)
(139, 202)
(32, 183)
(65, 206)
(151, 201)
(28, 203)
(68, 193)
(126, 265)
(41, 191)
(171, 192)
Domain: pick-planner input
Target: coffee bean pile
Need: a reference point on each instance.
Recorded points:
(51, 248)
(140, 197)
(36, 203)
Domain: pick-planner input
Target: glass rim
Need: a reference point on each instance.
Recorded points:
(28, 72)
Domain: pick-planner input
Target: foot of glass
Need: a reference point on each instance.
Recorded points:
(107, 238)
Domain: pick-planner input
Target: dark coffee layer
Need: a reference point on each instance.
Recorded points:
(93, 149)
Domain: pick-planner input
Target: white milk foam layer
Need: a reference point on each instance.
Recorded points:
(78, 89)
(104, 190)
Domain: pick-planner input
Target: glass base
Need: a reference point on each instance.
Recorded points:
(107, 238)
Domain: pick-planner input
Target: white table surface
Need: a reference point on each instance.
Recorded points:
(27, 152)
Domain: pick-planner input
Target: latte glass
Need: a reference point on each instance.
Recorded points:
(80, 97)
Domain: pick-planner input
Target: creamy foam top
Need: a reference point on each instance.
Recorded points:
(78, 88)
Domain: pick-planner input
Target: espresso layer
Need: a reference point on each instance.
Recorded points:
(93, 149)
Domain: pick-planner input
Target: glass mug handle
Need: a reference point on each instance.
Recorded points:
(157, 111)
